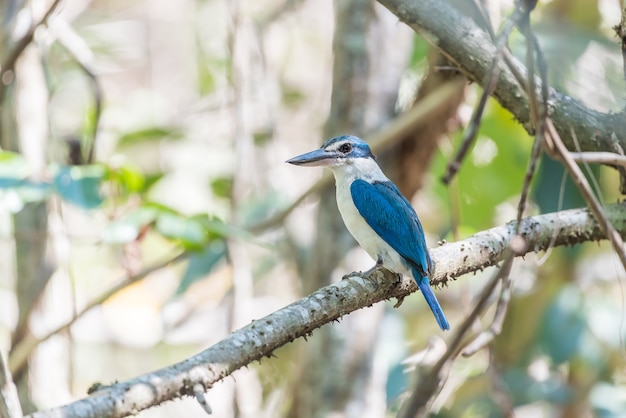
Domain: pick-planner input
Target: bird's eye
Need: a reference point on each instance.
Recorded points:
(345, 148)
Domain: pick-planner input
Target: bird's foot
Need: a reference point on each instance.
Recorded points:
(368, 274)
(374, 269)
(377, 266)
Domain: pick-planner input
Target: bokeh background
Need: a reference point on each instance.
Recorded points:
(202, 101)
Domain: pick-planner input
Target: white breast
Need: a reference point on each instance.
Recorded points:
(367, 238)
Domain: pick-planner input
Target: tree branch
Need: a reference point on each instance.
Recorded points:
(461, 40)
(260, 338)
(9, 400)
(9, 63)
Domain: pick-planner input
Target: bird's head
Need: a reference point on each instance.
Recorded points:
(336, 152)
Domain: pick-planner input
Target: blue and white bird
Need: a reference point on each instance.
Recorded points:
(377, 215)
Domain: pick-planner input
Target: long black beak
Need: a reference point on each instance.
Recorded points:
(313, 158)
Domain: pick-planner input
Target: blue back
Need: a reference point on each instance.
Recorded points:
(393, 218)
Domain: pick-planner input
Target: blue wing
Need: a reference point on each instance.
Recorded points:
(393, 218)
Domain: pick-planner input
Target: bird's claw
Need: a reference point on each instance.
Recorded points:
(368, 274)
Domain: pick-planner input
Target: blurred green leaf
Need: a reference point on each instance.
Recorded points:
(222, 187)
(397, 381)
(201, 263)
(155, 133)
(11, 182)
(209, 69)
(15, 188)
(563, 326)
(581, 13)
(261, 208)
(128, 228)
(549, 183)
(8, 156)
(262, 137)
(127, 177)
(12, 166)
(189, 231)
(206, 79)
(525, 389)
(80, 185)
(492, 172)
(14, 194)
(151, 179)
(216, 228)
(419, 51)
(131, 178)
(292, 97)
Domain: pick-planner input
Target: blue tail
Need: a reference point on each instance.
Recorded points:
(431, 299)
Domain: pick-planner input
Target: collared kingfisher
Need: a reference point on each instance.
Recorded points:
(377, 215)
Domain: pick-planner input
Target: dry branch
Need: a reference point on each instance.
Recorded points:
(260, 338)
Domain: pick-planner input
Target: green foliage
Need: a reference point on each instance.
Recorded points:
(80, 185)
(492, 173)
(201, 263)
(129, 227)
(149, 135)
(128, 178)
(564, 326)
(222, 187)
(211, 70)
(292, 97)
(525, 389)
(192, 232)
(189, 231)
(419, 53)
(262, 137)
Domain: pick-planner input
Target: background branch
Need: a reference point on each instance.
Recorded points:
(460, 39)
(9, 401)
(8, 66)
(260, 338)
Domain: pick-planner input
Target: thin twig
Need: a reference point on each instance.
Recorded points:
(583, 185)
(79, 50)
(8, 66)
(489, 86)
(495, 328)
(9, 400)
(501, 394)
(27, 345)
(429, 384)
(538, 112)
(608, 158)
